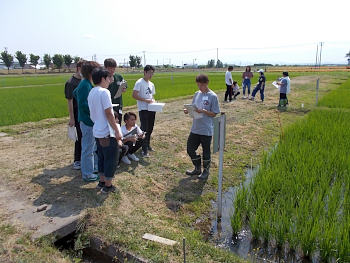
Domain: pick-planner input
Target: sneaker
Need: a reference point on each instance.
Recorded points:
(150, 149)
(125, 160)
(145, 154)
(91, 177)
(77, 165)
(244, 97)
(100, 185)
(252, 98)
(107, 190)
(132, 157)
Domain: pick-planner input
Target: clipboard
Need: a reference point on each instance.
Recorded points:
(122, 84)
(131, 133)
(191, 111)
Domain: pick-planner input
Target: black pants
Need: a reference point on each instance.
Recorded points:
(193, 142)
(132, 149)
(77, 144)
(147, 119)
(228, 92)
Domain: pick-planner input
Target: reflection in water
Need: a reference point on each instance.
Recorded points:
(243, 244)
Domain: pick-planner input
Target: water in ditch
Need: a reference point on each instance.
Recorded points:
(243, 244)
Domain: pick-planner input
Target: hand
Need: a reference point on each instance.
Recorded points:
(71, 122)
(185, 111)
(149, 101)
(123, 90)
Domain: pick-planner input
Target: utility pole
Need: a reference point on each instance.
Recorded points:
(144, 58)
(321, 52)
(316, 56)
(217, 58)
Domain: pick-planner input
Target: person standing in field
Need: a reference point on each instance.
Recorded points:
(260, 86)
(110, 64)
(102, 115)
(246, 80)
(284, 89)
(202, 128)
(143, 92)
(71, 84)
(229, 82)
(88, 155)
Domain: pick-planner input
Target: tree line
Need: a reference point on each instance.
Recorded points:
(57, 60)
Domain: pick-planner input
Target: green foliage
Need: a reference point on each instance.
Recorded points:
(22, 59)
(68, 60)
(33, 59)
(47, 61)
(132, 61)
(57, 60)
(219, 64)
(76, 59)
(338, 98)
(7, 59)
(211, 63)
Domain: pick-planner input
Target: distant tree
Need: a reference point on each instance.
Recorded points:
(68, 60)
(348, 56)
(211, 63)
(57, 60)
(219, 64)
(33, 59)
(7, 59)
(138, 61)
(47, 61)
(133, 61)
(22, 59)
(76, 59)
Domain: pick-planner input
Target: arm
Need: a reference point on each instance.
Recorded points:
(111, 120)
(71, 122)
(136, 96)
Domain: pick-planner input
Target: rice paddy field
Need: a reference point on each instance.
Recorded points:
(299, 197)
(34, 98)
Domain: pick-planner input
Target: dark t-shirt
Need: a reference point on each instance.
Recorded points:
(71, 84)
(262, 79)
(113, 88)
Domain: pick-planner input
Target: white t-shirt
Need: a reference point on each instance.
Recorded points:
(146, 90)
(99, 99)
(228, 76)
(125, 131)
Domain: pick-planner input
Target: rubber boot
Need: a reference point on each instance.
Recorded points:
(280, 103)
(284, 103)
(205, 174)
(197, 167)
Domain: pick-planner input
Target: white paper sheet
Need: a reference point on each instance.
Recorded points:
(191, 111)
(72, 133)
(122, 84)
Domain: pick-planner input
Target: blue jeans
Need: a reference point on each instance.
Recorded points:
(246, 83)
(107, 157)
(88, 150)
(255, 90)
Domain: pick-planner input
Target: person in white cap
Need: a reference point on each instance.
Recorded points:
(260, 86)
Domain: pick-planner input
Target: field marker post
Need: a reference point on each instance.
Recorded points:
(184, 248)
(318, 82)
(219, 145)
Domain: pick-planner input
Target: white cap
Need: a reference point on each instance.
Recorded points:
(260, 70)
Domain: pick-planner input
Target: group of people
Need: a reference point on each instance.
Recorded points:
(96, 112)
(232, 88)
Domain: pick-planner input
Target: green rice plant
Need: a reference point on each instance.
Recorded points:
(338, 98)
(299, 190)
(15, 81)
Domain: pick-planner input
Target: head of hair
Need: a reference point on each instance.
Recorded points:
(110, 62)
(248, 69)
(285, 73)
(98, 74)
(128, 114)
(234, 83)
(87, 68)
(202, 78)
(230, 68)
(80, 63)
(148, 68)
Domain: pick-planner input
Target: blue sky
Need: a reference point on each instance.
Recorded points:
(179, 32)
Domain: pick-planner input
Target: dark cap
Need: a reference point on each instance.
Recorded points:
(285, 73)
